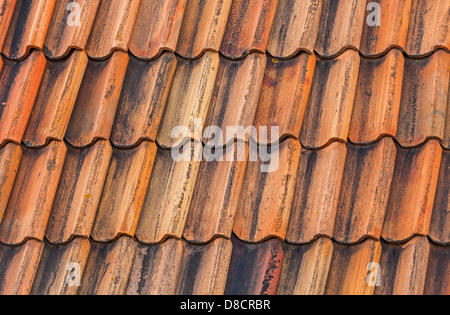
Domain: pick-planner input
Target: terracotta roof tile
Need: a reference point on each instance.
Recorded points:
(248, 30)
(203, 27)
(32, 196)
(10, 157)
(157, 27)
(446, 142)
(438, 272)
(79, 192)
(6, 13)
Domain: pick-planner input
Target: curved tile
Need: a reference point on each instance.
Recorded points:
(10, 157)
(6, 13)
(438, 273)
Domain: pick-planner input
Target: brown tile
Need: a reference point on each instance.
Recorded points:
(424, 99)
(203, 27)
(108, 267)
(6, 13)
(438, 272)
(392, 30)
(254, 268)
(295, 27)
(189, 98)
(69, 27)
(350, 268)
(412, 193)
(124, 192)
(284, 95)
(55, 99)
(155, 269)
(61, 267)
(141, 105)
(79, 192)
(341, 26)
(28, 27)
(440, 219)
(112, 27)
(305, 268)
(204, 268)
(95, 107)
(248, 27)
(10, 157)
(446, 142)
(377, 101)
(32, 196)
(265, 203)
(316, 195)
(428, 27)
(404, 267)
(365, 191)
(157, 27)
(18, 266)
(19, 85)
(330, 104)
(168, 198)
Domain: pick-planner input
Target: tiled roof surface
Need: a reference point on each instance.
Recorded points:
(90, 91)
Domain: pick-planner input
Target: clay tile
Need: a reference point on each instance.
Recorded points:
(235, 97)
(438, 272)
(19, 85)
(203, 27)
(412, 193)
(61, 267)
(189, 98)
(95, 107)
(141, 105)
(32, 196)
(168, 197)
(204, 268)
(213, 207)
(112, 27)
(305, 268)
(6, 13)
(155, 269)
(341, 26)
(440, 220)
(248, 27)
(365, 191)
(18, 267)
(330, 104)
(295, 28)
(316, 196)
(403, 268)
(428, 27)
(124, 192)
(157, 27)
(55, 99)
(108, 267)
(10, 157)
(351, 267)
(284, 96)
(390, 31)
(255, 268)
(446, 142)
(265, 203)
(69, 27)
(79, 192)
(424, 99)
(29, 25)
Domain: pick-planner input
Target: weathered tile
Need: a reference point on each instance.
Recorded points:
(10, 157)
(438, 272)
(6, 13)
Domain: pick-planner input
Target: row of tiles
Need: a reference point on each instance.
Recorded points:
(317, 101)
(225, 267)
(233, 27)
(345, 192)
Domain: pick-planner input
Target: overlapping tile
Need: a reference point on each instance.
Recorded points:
(10, 157)
(438, 273)
(6, 12)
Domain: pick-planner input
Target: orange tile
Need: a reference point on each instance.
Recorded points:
(32, 196)
(316, 195)
(55, 100)
(248, 30)
(69, 27)
(6, 13)
(157, 27)
(446, 141)
(141, 105)
(124, 192)
(203, 27)
(295, 27)
(438, 272)
(79, 192)
(10, 157)
(412, 193)
(95, 107)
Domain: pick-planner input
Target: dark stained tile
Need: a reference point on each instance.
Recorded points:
(438, 272)
(6, 13)
(10, 157)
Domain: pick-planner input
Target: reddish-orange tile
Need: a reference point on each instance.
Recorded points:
(438, 272)
(6, 13)
(10, 157)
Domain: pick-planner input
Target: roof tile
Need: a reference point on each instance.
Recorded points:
(10, 157)
(6, 13)
(438, 272)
